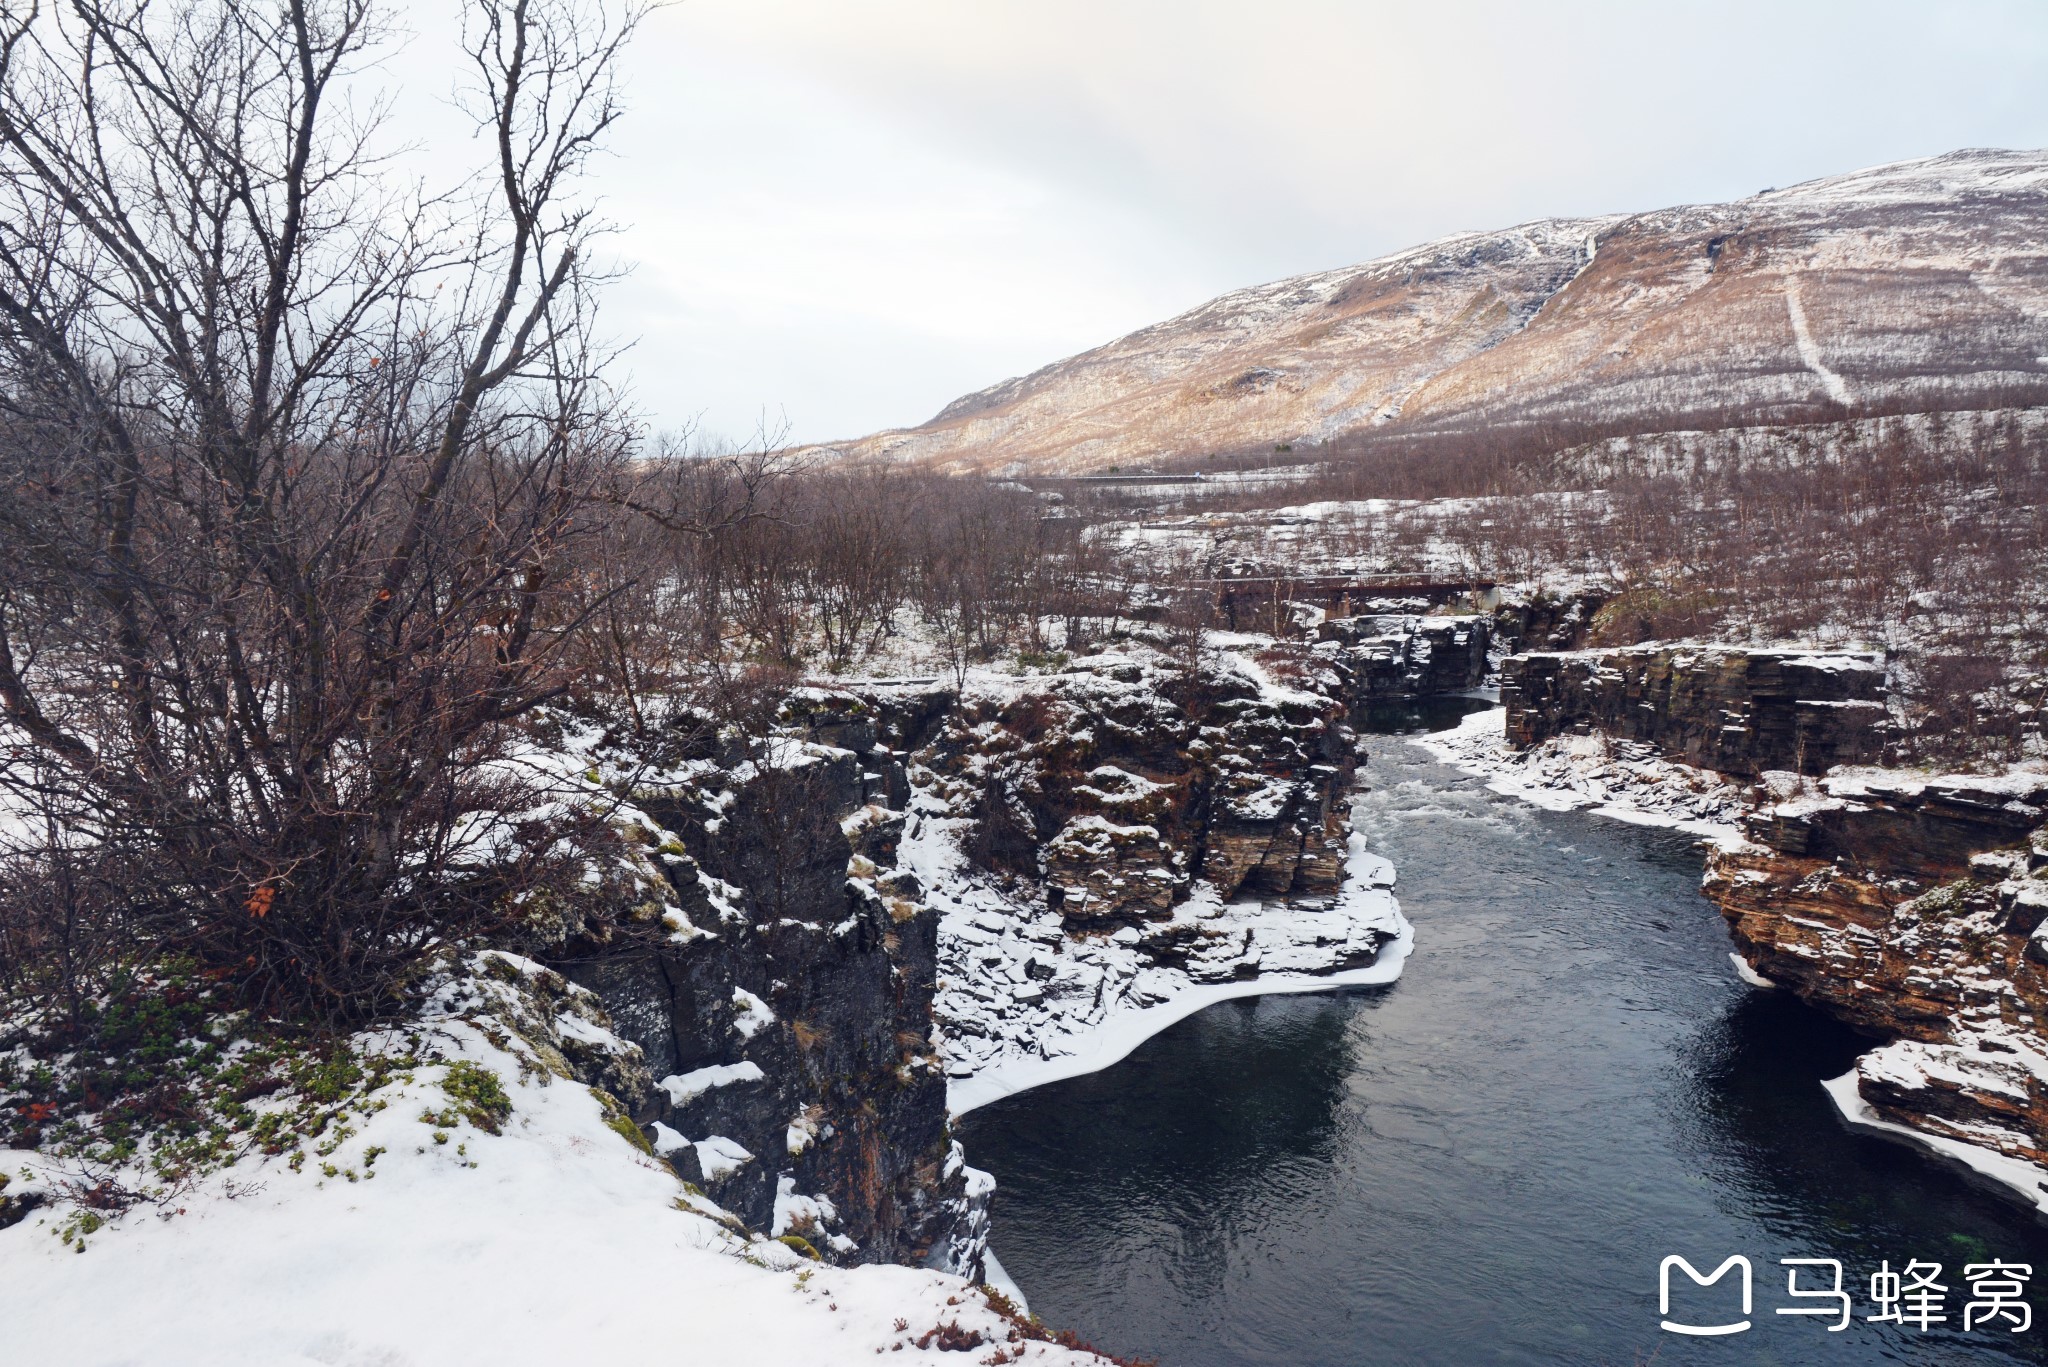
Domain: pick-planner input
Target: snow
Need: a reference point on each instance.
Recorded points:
(720, 1157)
(1931, 179)
(2026, 782)
(750, 1013)
(1618, 779)
(1112, 1041)
(793, 1210)
(685, 1087)
(2027, 1180)
(999, 1277)
(562, 1244)
(1809, 350)
(1746, 973)
(1287, 949)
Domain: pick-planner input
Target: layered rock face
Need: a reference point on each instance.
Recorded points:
(1142, 825)
(1917, 909)
(1733, 710)
(1391, 656)
(1120, 782)
(786, 1016)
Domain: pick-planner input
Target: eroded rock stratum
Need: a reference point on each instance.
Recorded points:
(1912, 907)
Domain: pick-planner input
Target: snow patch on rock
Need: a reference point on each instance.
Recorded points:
(1620, 779)
(2027, 1180)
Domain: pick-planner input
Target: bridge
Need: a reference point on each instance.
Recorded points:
(1340, 595)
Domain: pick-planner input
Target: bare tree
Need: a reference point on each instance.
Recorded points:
(298, 463)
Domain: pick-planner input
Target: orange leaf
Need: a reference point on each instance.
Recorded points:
(260, 900)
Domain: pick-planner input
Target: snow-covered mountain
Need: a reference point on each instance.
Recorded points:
(1918, 284)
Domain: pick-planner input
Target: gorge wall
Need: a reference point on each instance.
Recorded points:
(1912, 906)
(1734, 710)
(1915, 908)
(786, 1010)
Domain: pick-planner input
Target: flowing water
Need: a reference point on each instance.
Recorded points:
(1486, 1161)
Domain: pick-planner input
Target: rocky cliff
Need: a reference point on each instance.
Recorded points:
(1733, 710)
(1384, 657)
(1122, 781)
(1923, 284)
(1134, 827)
(1915, 908)
(785, 1009)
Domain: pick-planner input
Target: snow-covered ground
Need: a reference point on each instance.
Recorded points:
(1625, 780)
(1023, 1002)
(417, 1241)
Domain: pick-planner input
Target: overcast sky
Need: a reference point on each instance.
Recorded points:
(853, 211)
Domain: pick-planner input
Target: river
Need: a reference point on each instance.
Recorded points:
(1486, 1161)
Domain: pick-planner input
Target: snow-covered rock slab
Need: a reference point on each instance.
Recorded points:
(2029, 1181)
(1026, 1004)
(1117, 1036)
(1618, 779)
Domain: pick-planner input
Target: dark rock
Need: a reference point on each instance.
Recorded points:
(1384, 658)
(850, 1101)
(1734, 710)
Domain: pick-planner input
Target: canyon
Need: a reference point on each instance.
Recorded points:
(1909, 904)
(909, 887)
(932, 895)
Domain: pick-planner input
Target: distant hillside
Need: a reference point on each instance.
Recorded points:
(1918, 285)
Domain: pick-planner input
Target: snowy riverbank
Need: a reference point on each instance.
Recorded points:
(1624, 780)
(1023, 1002)
(2011, 1176)
(1114, 1038)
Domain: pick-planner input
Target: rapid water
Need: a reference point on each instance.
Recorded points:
(1486, 1161)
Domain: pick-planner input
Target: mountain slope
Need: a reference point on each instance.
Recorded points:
(1923, 284)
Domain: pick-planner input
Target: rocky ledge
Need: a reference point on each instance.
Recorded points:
(1912, 907)
(1136, 828)
(1737, 711)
